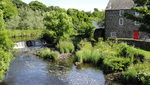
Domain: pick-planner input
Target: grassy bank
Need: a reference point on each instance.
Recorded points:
(23, 33)
(117, 57)
(65, 47)
(49, 54)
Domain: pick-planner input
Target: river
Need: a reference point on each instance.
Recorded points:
(28, 69)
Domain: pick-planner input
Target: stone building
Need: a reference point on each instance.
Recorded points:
(116, 25)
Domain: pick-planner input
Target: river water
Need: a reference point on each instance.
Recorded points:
(28, 69)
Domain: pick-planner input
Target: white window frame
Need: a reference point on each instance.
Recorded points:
(121, 12)
(137, 14)
(121, 21)
(113, 34)
(136, 23)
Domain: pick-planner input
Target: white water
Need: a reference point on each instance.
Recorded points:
(30, 43)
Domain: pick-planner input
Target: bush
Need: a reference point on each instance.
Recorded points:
(115, 64)
(84, 44)
(48, 54)
(65, 47)
(138, 73)
(87, 53)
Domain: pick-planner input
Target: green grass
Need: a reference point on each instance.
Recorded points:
(139, 72)
(48, 54)
(116, 57)
(23, 33)
(65, 47)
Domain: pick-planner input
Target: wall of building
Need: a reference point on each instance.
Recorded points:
(112, 24)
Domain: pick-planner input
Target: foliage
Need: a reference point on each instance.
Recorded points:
(48, 54)
(65, 47)
(58, 31)
(138, 73)
(87, 53)
(113, 57)
(142, 7)
(55, 8)
(19, 3)
(84, 44)
(5, 59)
(115, 64)
(23, 33)
(81, 23)
(99, 15)
(2, 22)
(8, 8)
(36, 5)
(5, 47)
(26, 20)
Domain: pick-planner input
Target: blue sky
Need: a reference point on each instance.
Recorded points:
(86, 5)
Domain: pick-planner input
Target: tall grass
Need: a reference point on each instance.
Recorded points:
(139, 73)
(65, 47)
(48, 54)
(116, 57)
(113, 57)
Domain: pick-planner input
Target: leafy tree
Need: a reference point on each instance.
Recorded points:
(5, 47)
(96, 9)
(27, 19)
(8, 8)
(2, 22)
(81, 23)
(142, 7)
(19, 3)
(59, 26)
(55, 8)
(36, 5)
(98, 15)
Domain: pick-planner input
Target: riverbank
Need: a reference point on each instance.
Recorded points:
(28, 69)
(117, 57)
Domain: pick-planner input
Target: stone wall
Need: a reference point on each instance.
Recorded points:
(145, 45)
(122, 31)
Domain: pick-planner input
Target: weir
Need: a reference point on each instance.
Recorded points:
(29, 43)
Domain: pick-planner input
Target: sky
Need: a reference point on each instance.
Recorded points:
(86, 5)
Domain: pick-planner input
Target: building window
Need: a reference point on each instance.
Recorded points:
(121, 21)
(121, 12)
(113, 34)
(137, 14)
(136, 23)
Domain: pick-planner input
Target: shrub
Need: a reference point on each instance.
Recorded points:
(65, 47)
(84, 44)
(115, 64)
(48, 54)
(87, 53)
(138, 72)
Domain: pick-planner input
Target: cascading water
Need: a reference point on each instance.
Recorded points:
(29, 43)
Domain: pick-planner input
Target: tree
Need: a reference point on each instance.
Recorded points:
(96, 9)
(81, 23)
(143, 8)
(55, 8)
(59, 26)
(8, 9)
(27, 19)
(6, 46)
(36, 5)
(19, 3)
(98, 15)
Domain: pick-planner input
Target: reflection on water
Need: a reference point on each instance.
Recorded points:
(28, 69)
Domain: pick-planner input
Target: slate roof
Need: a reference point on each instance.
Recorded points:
(119, 4)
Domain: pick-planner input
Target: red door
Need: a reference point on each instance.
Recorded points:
(136, 34)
